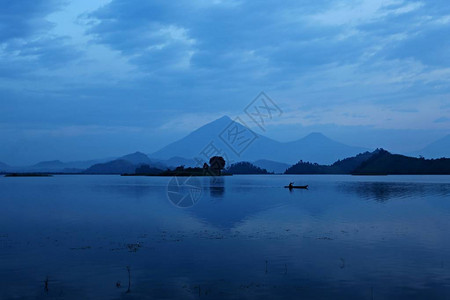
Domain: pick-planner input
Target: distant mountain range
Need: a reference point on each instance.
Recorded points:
(126, 164)
(54, 166)
(4, 167)
(263, 152)
(272, 166)
(437, 149)
(378, 162)
(385, 163)
(245, 168)
(117, 166)
(345, 166)
(315, 147)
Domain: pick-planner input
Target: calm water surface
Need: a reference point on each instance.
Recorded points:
(83, 237)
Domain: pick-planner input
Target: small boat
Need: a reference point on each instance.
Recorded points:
(305, 187)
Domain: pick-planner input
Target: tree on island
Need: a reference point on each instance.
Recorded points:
(145, 169)
(217, 164)
(245, 167)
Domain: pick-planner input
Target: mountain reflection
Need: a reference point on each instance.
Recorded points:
(247, 238)
(384, 191)
(216, 187)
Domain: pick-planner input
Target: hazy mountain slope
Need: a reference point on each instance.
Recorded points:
(196, 142)
(126, 164)
(314, 147)
(51, 165)
(139, 158)
(4, 167)
(271, 166)
(318, 148)
(59, 166)
(118, 166)
(136, 158)
(437, 149)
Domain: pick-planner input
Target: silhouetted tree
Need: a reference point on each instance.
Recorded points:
(217, 163)
(145, 169)
(245, 168)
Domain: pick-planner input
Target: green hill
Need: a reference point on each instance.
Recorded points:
(379, 162)
(118, 166)
(245, 168)
(385, 163)
(345, 166)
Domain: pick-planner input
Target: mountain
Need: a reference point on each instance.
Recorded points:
(245, 167)
(220, 135)
(137, 158)
(128, 164)
(192, 145)
(58, 166)
(345, 166)
(378, 162)
(437, 149)
(177, 161)
(386, 163)
(272, 166)
(4, 167)
(83, 164)
(318, 148)
(118, 166)
(49, 165)
(147, 170)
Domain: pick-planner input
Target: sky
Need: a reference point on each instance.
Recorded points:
(82, 79)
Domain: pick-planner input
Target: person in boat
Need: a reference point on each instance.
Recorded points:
(291, 185)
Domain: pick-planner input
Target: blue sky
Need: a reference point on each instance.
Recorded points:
(86, 79)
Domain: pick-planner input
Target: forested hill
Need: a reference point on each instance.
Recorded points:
(245, 168)
(379, 162)
(385, 163)
(345, 166)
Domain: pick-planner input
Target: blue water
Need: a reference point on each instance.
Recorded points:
(245, 237)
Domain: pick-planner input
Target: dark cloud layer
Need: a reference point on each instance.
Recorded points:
(246, 43)
(26, 42)
(139, 63)
(23, 19)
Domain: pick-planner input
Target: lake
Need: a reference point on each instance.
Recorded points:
(236, 237)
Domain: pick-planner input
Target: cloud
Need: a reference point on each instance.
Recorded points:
(442, 120)
(354, 13)
(21, 19)
(25, 43)
(75, 131)
(169, 64)
(266, 44)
